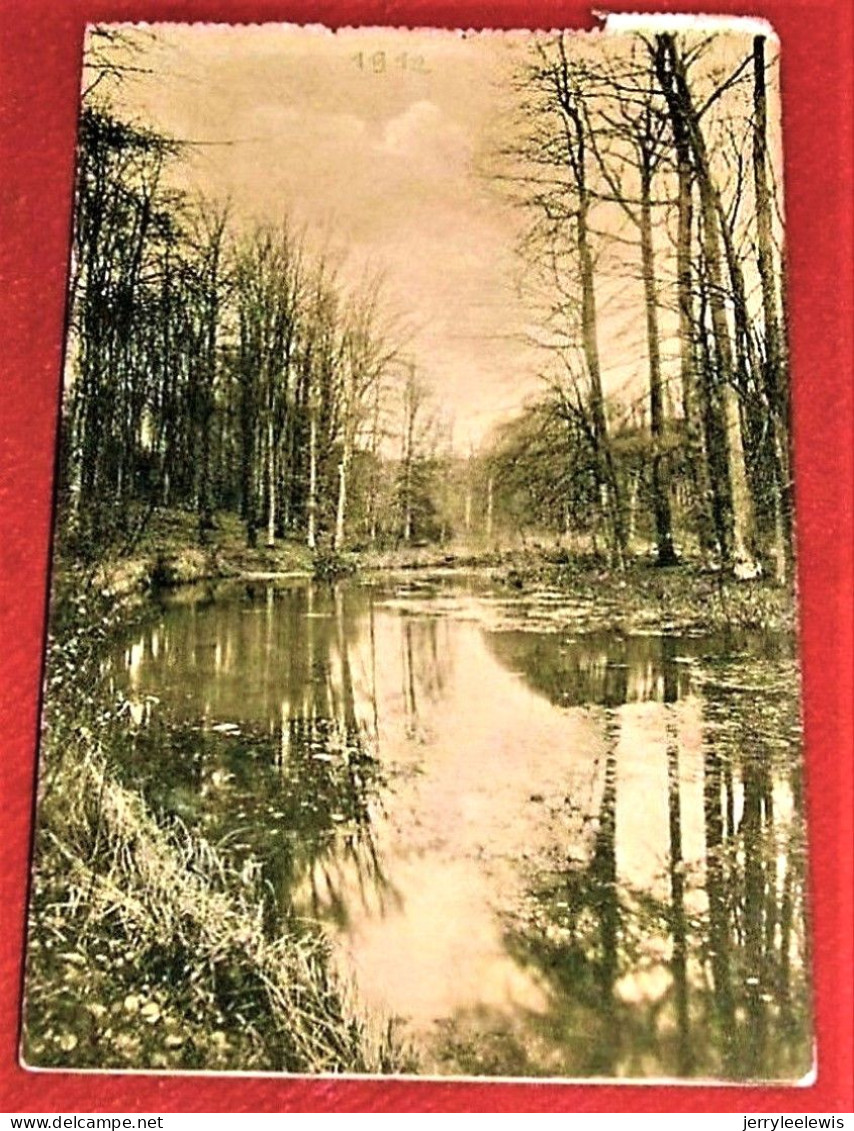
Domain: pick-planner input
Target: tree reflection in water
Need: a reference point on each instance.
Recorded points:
(706, 975)
(578, 856)
(293, 789)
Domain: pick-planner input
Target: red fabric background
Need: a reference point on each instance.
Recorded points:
(39, 77)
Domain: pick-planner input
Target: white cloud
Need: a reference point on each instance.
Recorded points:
(407, 132)
(424, 133)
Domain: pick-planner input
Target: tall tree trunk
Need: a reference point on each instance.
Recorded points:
(714, 422)
(344, 462)
(576, 154)
(247, 453)
(341, 507)
(271, 480)
(311, 536)
(755, 412)
(408, 442)
(634, 490)
(774, 370)
(660, 476)
(684, 118)
(373, 483)
(605, 459)
(205, 507)
(288, 479)
(407, 500)
(742, 508)
(698, 467)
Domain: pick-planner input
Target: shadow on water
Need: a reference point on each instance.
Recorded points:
(702, 969)
(290, 789)
(546, 854)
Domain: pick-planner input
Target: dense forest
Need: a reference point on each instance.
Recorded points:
(217, 365)
(655, 233)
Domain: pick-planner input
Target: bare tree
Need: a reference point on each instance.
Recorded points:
(776, 383)
(270, 285)
(369, 351)
(557, 185)
(415, 396)
(731, 471)
(632, 116)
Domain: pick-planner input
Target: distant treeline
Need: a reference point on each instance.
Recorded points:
(215, 367)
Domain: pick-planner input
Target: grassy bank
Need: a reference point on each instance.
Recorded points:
(168, 552)
(146, 948)
(644, 598)
(688, 597)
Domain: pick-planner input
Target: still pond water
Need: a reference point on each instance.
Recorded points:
(540, 852)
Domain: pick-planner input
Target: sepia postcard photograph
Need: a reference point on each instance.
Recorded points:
(422, 693)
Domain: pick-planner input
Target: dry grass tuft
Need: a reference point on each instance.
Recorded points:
(207, 985)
